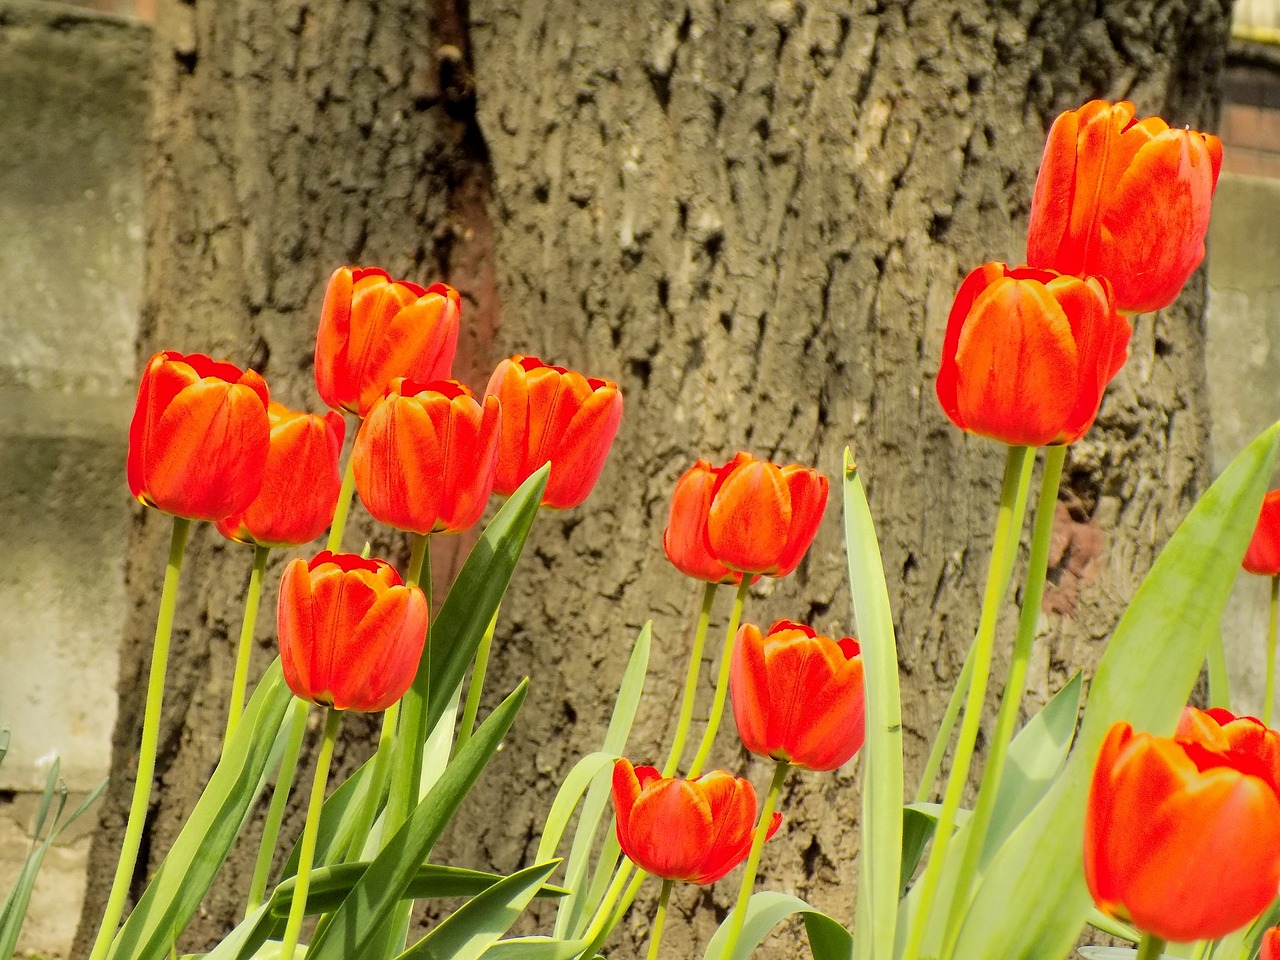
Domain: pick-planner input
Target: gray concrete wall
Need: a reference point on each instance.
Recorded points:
(72, 132)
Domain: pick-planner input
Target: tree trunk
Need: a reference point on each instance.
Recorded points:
(753, 216)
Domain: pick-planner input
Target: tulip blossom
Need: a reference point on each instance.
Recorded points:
(300, 483)
(553, 415)
(798, 696)
(425, 458)
(1028, 354)
(1124, 199)
(686, 540)
(351, 634)
(691, 830)
(1263, 555)
(199, 437)
(374, 329)
(1182, 833)
(763, 517)
(1270, 945)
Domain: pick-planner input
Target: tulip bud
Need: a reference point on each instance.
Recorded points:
(199, 437)
(1263, 555)
(1270, 945)
(351, 634)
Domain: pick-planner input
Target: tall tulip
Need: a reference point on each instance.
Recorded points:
(553, 415)
(1124, 199)
(1182, 833)
(686, 540)
(351, 633)
(798, 696)
(199, 438)
(691, 830)
(426, 456)
(374, 329)
(300, 481)
(1028, 354)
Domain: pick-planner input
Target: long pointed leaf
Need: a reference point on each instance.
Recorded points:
(828, 940)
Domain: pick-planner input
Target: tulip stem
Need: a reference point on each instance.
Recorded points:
(147, 748)
(780, 771)
(722, 681)
(307, 852)
(659, 919)
(1017, 477)
(608, 915)
(943, 738)
(377, 785)
(691, 682)
(1014, 690)
(343, 509)
(240, 679)
(279, 801)
(476, 688)
(1269, 698)
(1151, 948)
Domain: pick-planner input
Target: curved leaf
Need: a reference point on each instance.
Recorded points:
(828, 940)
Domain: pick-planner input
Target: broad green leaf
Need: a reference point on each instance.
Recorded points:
(1216, 666)
(828, 940)
(566, 801)
(477, 924)
(917, 831)
(1111, 926)
(572, 916)
(177, 888)
(358, 923)
(1033, 901)
(881, 824)
(535, 948)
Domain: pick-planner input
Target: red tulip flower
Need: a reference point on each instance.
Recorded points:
(300, 483)
(199, 436)
(763, 517)
(1182, 833)
(550, 414)
(691, 830)
(426, 456)
(351, 634)
(1270, 945)
(798, 696)
(1263, 555)
(374, 329)
(686, 540)
(1028, 354)
(1124, 199)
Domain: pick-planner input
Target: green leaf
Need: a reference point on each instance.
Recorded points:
(475, 926)
(1033, 901)
(188, 869)
(1112, 927)
(535, 948)
(917, 831)
(566, 801)
(357, 924)
(882, 790)
(828, 940)
(572, 916)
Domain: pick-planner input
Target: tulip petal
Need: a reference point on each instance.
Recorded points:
(750, 518)
(671, 830)
(578, 455)
(750, 691)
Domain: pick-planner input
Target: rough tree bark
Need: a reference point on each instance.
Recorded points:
(753, 216)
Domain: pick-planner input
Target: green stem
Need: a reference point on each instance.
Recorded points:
(411, 732)
(472, 705)
(691, 682)
(1268, 700)
(307, 852)
(780, 772)
(1015, 688)
(368, 811)
(943, 738)
(240, 680)
(279, 801)
(608, 915)
(1151, 948)
(343, 510)
(999, 572)
(147, 749)
(722, 681)
(659, 919)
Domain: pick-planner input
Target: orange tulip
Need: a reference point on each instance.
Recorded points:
(686, 541)
(1270, 945)
(1124, 199)
(426, 456)
(374, 329)
(691, 830)
(199, 437)
(351, 634)
(1028, 354)
(300, 483)
(763, 517)
(550, 414)
(1182, 834)
(798, 696)
(1263, 555)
